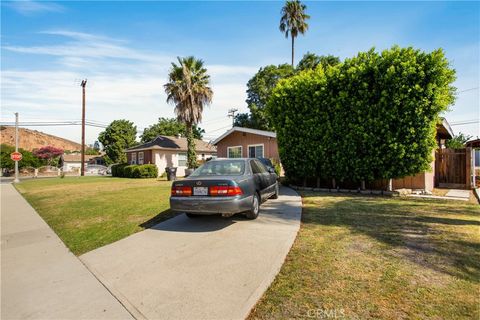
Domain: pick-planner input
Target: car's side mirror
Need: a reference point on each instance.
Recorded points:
(271, 170)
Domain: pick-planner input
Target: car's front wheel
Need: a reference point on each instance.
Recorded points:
(253, 212)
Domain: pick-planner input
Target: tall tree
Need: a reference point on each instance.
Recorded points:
(311, 61)
(259, 89)
(189, 89)
(169, 127)
(118, 136)
(293, 22)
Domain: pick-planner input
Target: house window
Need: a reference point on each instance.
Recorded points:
(182, 159)
(255, 151)
(234, 152)
(134, 158)
(140, 158)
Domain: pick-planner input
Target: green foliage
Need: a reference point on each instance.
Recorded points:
(92, 152)
(28, 158)
(135, 171)
(458, 141)
(117, 137)
(276, 166)
(293, 21)
(169, 127)
(311, 61)
(259, 89)
(246, 120)
(372, 117)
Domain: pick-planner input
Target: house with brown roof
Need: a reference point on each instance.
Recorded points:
(167, 151)
(239, 142)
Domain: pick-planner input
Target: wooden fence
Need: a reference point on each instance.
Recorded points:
(453, 168)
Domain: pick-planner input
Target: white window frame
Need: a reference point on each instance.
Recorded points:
(133, 159)
(178, 159)
(140, 158)
(256, 145)
(232, 147)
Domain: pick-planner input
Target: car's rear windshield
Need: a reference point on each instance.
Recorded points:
(221, 168)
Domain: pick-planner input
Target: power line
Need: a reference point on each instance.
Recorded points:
(474, 88)
(461, 123)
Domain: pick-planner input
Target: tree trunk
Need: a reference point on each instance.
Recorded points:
(362, 187)
(191, 154)
(390, 185)
(293, 52)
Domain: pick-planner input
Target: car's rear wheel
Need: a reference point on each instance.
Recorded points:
(253, 212)
(192, 215)
(277, 191)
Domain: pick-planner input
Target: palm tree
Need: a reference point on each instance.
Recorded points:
(293, 21)
(188, 88)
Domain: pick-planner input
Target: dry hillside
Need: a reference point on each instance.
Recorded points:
(33, 139)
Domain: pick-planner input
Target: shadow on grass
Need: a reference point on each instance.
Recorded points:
(415, 230)
(162, 216)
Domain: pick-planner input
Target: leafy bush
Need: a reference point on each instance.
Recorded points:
(135, 171)
(28, 158)
(371, 117)
(118, 170)
(146, 171)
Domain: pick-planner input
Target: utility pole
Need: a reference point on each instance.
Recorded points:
(231, 113)
(16, 148)
(82, 170)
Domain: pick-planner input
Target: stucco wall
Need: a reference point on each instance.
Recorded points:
(163, 159)
(244, 139)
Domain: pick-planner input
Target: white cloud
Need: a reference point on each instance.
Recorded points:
(123, 83)
(28, 7)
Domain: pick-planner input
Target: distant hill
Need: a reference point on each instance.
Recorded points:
(33, 139)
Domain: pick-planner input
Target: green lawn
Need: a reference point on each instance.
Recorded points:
(379, 258)
(90, 212)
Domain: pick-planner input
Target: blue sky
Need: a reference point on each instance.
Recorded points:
(125, 50)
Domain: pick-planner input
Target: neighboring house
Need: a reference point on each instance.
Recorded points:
(165, 151)
(241, 142)
(73, 161)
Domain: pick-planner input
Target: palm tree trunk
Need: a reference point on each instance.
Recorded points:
(293, 51)
(191, 154)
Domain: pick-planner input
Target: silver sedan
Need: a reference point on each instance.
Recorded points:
(225, 186)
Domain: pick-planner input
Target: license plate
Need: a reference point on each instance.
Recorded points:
(200, 191)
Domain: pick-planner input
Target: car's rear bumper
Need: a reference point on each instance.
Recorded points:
(211, 205)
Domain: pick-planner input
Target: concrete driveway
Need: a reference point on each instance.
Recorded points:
(202, 268)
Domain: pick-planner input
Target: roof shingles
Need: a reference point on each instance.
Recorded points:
(173, 143)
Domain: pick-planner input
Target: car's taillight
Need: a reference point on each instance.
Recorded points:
(180, 191)
(225, 191)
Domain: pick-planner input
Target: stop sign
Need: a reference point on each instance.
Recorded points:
(16, 156)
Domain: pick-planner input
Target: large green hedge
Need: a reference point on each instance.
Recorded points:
(135, 171)
(371, 117)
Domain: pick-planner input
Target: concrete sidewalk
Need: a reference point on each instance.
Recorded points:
(202, 268)
(41, 278)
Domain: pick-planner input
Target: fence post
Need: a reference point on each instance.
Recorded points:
(362, 187)
(468, 173)
(35, 173)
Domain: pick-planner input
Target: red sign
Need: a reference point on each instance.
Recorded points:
(16, 156)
